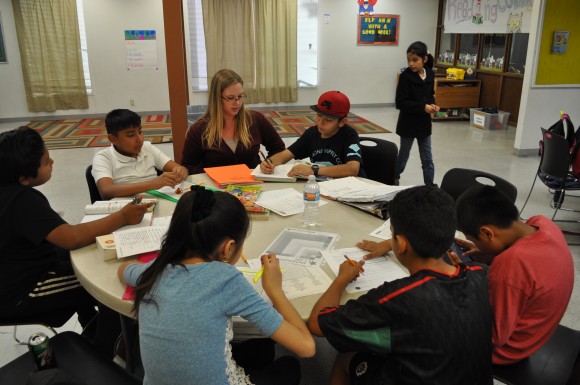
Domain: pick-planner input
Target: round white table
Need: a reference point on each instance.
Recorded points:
(99, 277)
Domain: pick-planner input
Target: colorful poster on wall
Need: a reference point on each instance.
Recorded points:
(141, 50)
(2, 46)
(560, 42)
(488, 16)
(378, 29)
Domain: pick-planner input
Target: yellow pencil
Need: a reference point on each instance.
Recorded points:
(244, 258)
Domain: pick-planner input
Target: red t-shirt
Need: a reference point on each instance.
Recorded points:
(530, 285)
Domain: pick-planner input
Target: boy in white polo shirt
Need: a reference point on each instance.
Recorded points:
(130, 165)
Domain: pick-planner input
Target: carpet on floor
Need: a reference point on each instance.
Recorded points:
(91, 132)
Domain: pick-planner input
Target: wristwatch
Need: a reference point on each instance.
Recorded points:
(315, 168)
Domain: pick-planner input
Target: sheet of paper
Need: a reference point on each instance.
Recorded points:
(377, 270)
(283, 202)
(137, 241)
(146, 221)
(107, 207)
(172, 191)
(383, 231)
(357, 190)
(280, 172)
(161, 221)
(297, 281)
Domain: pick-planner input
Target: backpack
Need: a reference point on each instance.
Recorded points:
(565, 128)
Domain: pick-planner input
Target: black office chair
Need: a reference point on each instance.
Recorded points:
(555, 363)
(379, 159)
(457, 180)
(49, 320)
(93, 189)
(75, 357)
(554, 171)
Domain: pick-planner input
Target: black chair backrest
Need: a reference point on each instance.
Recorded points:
(93, 189)
(556, 156)
(457, 180)
(379, 159)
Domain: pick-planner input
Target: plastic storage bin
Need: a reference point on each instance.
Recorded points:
(487, 121)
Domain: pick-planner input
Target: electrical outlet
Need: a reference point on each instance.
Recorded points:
(132, 102)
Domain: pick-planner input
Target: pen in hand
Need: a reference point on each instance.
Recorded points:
(353, 263)
(267, 160)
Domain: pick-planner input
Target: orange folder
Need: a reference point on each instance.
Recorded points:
(226, 175)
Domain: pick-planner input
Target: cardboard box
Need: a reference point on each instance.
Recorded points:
(106, 246)
(487, 121)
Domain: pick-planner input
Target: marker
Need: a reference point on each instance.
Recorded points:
(353, 263)
(259, 275)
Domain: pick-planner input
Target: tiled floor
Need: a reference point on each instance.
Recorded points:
(455, 144)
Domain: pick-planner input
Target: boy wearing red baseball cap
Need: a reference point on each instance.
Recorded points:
(332, 145)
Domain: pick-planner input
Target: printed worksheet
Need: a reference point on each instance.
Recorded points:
(297, 281)
(376, 271)
(137, 241)
(283, 202)
(383, 231)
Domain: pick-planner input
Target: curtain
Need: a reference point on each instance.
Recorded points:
(258, 40)
(50, 51)
(229, 38)
(276, 62)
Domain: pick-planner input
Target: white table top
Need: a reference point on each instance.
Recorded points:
(99, 277)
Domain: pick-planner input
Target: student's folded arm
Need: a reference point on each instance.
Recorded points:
(110, 190)
(350, 168)
(176, 168)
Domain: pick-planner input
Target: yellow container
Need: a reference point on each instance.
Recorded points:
(455, 73)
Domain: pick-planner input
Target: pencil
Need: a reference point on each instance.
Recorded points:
(353, 263)
(244, 258)
(135, 200)
(264, 157)
(259, 275)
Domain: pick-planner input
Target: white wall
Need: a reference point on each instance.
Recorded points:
(113, 85)
(367, 74)
(540, 106)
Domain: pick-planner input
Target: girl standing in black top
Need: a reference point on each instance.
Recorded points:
(416, 102)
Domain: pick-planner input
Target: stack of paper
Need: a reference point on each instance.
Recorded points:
(138, 241)
(226, 175)
(351, 189)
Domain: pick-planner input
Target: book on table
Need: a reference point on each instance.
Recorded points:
(238, 174)
(108, 207)
(280, 173)
(248, 196)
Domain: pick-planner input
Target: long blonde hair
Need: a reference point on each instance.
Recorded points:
(214, 116)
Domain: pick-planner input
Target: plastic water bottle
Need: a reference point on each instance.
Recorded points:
(311, 201)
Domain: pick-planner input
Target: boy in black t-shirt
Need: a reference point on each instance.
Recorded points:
(36, 275)
(433, 327)
(332, 145)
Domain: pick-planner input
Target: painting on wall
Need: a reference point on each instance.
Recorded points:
(2, 46)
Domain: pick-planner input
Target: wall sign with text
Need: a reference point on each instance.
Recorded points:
(378, 29)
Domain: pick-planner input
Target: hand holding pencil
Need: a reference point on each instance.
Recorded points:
(350, 270)
(267, 166)
(272, 274)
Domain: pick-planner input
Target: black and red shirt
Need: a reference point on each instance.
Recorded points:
(430, 328)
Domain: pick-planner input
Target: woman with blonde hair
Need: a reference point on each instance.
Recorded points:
(228, 133)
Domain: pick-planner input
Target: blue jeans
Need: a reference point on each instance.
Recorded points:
(424, 153)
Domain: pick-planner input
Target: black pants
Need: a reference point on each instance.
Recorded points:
(256, 356)
(60, 294)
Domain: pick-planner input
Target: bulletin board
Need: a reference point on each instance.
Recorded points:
(378, 29)
(559, 69)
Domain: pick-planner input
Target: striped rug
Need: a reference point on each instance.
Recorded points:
(91, 132)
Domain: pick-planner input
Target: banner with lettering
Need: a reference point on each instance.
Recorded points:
(378, 29)
(488, 16)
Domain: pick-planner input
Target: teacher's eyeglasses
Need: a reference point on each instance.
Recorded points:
(233, 99)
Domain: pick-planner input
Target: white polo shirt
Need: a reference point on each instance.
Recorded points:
(109, 163)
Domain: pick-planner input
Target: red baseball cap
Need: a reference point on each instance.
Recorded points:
(333, 104)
